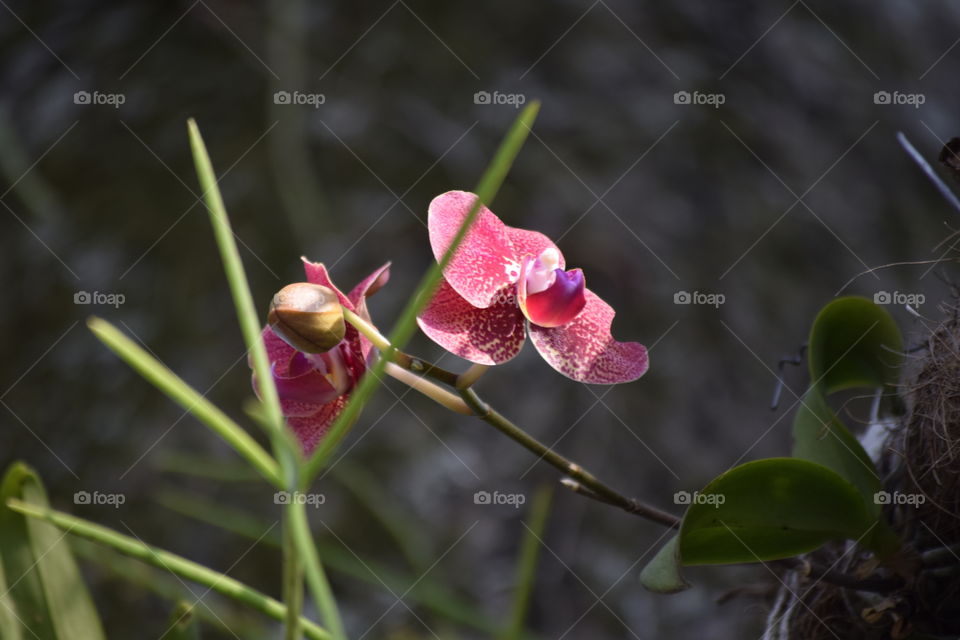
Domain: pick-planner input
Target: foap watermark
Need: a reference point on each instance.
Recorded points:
(895, 497)
(685, 497)
(698, 98)
(112, 499)
(298, 497)
(299, 98)
(899, 297)
(698, 297)
(512, 99)
(96, 97)
(99, 297)
(896, 97)
(512, 499)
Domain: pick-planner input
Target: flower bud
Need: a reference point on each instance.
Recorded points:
(308, 317)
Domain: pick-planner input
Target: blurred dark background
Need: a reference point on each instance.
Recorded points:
(650, 196)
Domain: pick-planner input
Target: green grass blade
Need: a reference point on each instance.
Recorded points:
(250, 324)
(52, 600)
(316, 578)
(428, 593)
(297, 548)
(9, 624)
(527, 565)
(406, 324)
(187, 397)
(187, 569)
(131, 574)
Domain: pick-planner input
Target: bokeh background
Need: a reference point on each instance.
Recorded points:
(776, 199)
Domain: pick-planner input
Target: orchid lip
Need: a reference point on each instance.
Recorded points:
(557, 304)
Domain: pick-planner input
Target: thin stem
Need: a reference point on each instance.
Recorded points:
(221, 583)
(438, 394)
(473, 405)
(486, 413)
(466, 379)
(292, 583)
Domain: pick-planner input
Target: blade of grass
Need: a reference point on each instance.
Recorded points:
(298, 548)
(131, 573)
(221, 583)
(487, 189)
(316, 577)
(428, 593)
(187, 397)
(527, 564)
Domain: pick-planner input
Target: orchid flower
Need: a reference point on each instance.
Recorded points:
(314, 387)
(503, 284)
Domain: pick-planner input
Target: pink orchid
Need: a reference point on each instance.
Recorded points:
(314, 387)
(504, 283)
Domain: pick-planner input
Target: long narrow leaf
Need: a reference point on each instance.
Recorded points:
(51, 599)
(187, 569)
(188, 398)
(527, 565)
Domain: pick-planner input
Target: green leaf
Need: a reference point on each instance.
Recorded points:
(183, 624)
(527, 564)
(9, 622)
(853, 343)
(771, 509)
(178, 565)
(662, 573)
(154, 372)
(51, 599)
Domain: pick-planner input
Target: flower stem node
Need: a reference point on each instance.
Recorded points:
(308, 317)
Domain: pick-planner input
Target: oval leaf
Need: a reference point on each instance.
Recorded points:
(46, 585)
(770, 509)
(662, 573)
(854, 343)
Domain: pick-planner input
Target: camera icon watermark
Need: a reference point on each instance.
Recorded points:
(90, 98)
(898, 498)
(697, 98)
(299, 98)
(99, 298)
(899, 298)
(497, 498)
(512, 99)
(697, 297)
(911, 99)
(298, 497)
(96, 498)
(685, 497)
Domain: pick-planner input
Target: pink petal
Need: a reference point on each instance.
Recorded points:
(358, 296)
(531, 243)
(586, 351)
(369, 285)
(486, 260)
(311, 429)
(305, 394)
(279, 353)
(487, 336)
(317, 274)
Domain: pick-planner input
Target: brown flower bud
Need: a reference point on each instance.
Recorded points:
(308, 317)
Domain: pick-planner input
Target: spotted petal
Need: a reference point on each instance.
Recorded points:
(486, 261)
(486, 336)
(317, 274)
(311, 429)
(584, 349)
(532, 243)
